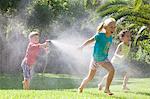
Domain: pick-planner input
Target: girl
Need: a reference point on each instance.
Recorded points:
(121, 54)
(103, 40)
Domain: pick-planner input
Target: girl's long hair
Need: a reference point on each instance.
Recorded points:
(99, 28)
(105, 23)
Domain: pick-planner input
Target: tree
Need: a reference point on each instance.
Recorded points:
(8, 5)
(91, 4)
(136, 11)
(43, 12)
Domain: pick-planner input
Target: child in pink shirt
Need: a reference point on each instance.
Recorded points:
(30, 58)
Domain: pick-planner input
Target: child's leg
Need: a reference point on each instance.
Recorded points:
(26, 75)
(109, 67)
(100, 85)
(125, 81)
(87, 79)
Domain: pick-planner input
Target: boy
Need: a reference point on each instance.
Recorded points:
(29, 60)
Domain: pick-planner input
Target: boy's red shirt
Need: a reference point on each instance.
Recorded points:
(31, 53)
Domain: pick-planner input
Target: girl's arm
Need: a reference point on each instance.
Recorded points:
(118, 52)
(89, 41)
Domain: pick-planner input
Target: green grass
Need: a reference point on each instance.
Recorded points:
(60, 86)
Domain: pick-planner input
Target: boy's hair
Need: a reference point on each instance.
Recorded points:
(122, 33)
(32, 34)
(105, 23)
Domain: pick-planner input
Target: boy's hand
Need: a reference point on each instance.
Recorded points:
(46, 50)
(48, 40)
(46, 44)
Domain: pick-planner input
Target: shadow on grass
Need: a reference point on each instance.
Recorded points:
(140, 93)
(50, 83)
(143, 93)
(40, 82)
(47, 82)
(104, 95)
(10, 81)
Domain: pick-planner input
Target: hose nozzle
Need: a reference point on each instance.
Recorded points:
(48, 41)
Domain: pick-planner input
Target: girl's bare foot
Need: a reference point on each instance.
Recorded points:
(108, 92)
(100, 87)
(125, 88)
(80, 90)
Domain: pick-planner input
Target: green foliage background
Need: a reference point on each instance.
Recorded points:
(43, 14)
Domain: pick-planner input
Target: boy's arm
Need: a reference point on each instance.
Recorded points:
(89, 41)
(44, 45)
(39, 45)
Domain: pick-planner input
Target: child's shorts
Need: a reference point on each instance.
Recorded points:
(121, 68)
(26, 71)
(95, 65)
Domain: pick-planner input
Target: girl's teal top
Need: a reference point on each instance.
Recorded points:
(101, 47)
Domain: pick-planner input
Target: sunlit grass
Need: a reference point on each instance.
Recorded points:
(52, 86)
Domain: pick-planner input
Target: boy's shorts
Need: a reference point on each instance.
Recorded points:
(26, 71)
(95, 65)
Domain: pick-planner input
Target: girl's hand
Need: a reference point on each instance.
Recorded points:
(80, 48)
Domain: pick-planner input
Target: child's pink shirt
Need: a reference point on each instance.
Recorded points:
(32, 53)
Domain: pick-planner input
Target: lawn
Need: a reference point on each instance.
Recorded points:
(61, 86)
